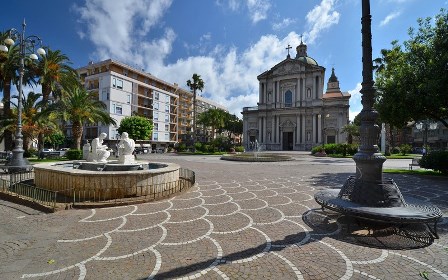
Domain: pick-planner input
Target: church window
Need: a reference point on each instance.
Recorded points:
(308, 93)
(288, 98)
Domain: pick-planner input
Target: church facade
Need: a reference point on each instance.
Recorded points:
(293, 113)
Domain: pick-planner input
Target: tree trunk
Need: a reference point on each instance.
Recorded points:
(77, 134)
(7, 114)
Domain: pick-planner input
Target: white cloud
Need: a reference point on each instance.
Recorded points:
(389, 17)
(258, 9)
(117, 28)
(202, 45)
(283, 24)
(320, 18)
(355, 102)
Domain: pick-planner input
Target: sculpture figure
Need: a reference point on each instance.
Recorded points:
(126, 148)
(100, 152)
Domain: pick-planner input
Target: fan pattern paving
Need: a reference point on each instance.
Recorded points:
(246, 229)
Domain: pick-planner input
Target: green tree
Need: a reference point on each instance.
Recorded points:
(138, 127)
(51, 69)
(352, 131)
(79, 107)
(233, 125)
(55, 139)
(415, 75)
(196, 83)
(214, 118)
(9, 63)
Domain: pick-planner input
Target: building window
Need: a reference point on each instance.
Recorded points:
(104, 94)
(129, 99)
(167, 118)
(288, 98)
(156, 116)
(119, 84)
(114, 82)
(167, 108)
(167, 136)
(118, 110)
(155, 136)
(156, 126)
(167, 127)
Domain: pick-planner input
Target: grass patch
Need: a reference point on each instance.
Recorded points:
(414, 172)
(36, 160)
(202, 153)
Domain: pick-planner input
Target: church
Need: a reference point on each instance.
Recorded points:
(293, 113)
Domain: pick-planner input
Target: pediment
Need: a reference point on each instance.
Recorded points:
(287, 123)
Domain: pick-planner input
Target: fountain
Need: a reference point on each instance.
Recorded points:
(132, 177)
(256, 155)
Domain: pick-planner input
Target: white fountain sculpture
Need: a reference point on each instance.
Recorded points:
(126, 148)
(100, 152)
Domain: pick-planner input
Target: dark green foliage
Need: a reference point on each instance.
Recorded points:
(414, 75)
(336, 149)
(138, 128)
(239, 149)
(182, 147)
(74, 154)
(395, 150)
(55, 139)
(30, 153)
(437, 160)
(405, 149)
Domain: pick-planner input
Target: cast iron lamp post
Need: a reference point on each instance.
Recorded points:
(26, 46)
(424, 127)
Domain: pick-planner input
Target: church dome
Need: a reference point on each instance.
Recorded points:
(303, 56)
(307, 60)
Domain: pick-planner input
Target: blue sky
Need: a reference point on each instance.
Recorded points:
(228, 42)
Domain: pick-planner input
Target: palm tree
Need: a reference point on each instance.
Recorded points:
(51, 70)
(195, 84)
(79, 107)
(8, 74)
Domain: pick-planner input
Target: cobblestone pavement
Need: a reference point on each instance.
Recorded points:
(242, 221)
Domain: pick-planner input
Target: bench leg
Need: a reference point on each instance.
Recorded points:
(433, 230)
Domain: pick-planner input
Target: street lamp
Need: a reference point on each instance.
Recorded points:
(425, 126)
(27, 46)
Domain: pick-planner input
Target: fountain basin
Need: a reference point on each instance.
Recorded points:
(62, 177)
(256, 157)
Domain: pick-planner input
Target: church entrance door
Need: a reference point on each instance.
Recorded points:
(288, 141)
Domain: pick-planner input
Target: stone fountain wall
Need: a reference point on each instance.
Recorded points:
(106, 184)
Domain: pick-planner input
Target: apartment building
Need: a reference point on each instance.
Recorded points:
(127, 90)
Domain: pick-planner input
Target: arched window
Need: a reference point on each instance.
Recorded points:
(288, 98)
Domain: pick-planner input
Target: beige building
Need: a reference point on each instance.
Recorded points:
(293, 113)
(127, 90)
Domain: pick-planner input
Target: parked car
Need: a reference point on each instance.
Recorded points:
(141, 150)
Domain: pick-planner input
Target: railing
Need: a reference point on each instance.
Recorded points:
(20, 184)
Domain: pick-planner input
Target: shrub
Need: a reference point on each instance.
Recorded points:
(31, 152)
(182, 147)
(239, 149)
(405, 149)
(437, 161)
(74, 154)
(395, 150)
(336, 149)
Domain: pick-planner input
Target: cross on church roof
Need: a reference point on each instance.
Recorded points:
(288, 48)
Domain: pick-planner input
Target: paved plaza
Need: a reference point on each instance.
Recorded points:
(241, 221)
